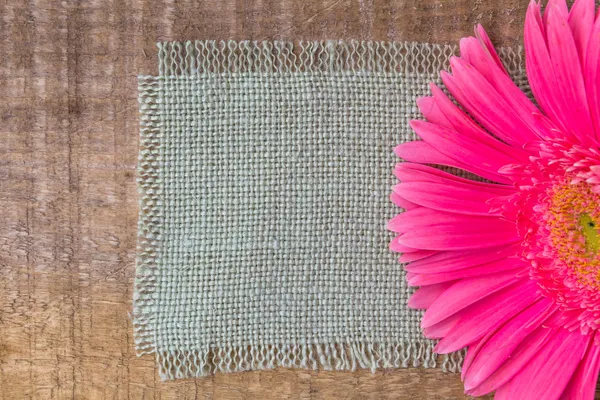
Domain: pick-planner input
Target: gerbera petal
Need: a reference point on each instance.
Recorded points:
(458, 147)
(504, 264)
(591, 74)
(483, 37)
(464, 293)
(423, 297)
(452, 238)
(583, 383)
(411, 172)
(432, 112)
(418, 151)
(402, 202)
(524, 352)
(441, 329)
(398, 247)
(421, 152)
(463, 124)
(535, 9)
(486, 105)
(553, 71)
(421, 216)
(458, 198)
(569, 75)
(417, 255)
(581, 21)
(488, 314)
(547, 374)
(435, 230)
(560, 5)
(472, 352)
(540, 71)
(425, 219)
(496, 350)
(457, 260)
(474, 52)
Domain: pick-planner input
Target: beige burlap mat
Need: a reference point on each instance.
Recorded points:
(265, 171)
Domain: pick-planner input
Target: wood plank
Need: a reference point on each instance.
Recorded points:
(68, 201)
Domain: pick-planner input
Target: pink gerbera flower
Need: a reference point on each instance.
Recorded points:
(510, 268)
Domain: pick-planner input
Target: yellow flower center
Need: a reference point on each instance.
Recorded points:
(573, 212)
(590, 233)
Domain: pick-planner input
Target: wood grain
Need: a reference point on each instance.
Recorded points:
(68, 201)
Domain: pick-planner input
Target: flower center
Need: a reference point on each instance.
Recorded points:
(573, 232)
(590, 232)
(557, 214)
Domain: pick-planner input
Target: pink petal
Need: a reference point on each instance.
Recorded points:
(543, 78)
(488, 315)
(464, 125)
(457, 260)
(536, 12)
(520, 106)
(540, 71)
(499, 347)
(569, 75)
(486, 105)
(504, 264)
(420, 152)
(583, 383)
(560, 5)
(431, 111)
(555, 321)
(423, 297)
(427, 229)
(441, 329)
(465, 149)
(458, 198)
(417, 255)
(412, 172)
(547, 374)
(524, 352)
(581, 21)
(398, 247)
(428, 220)
(402, 202)
(464, 293)
(417, 151)
(483, 37)
(424, 153)
(472, 353)
(592, 75)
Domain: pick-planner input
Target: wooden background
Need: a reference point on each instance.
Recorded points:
(68, 201)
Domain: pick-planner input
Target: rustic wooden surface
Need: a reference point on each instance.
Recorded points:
(68, 202)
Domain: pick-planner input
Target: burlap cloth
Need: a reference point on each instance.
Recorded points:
(265, 171)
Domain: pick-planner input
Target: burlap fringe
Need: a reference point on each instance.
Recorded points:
(204, 57)
(349, 356)
(149, 220)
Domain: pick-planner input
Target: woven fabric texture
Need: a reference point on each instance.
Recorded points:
(265, 172)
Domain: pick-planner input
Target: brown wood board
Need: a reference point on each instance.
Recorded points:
(68, 199)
